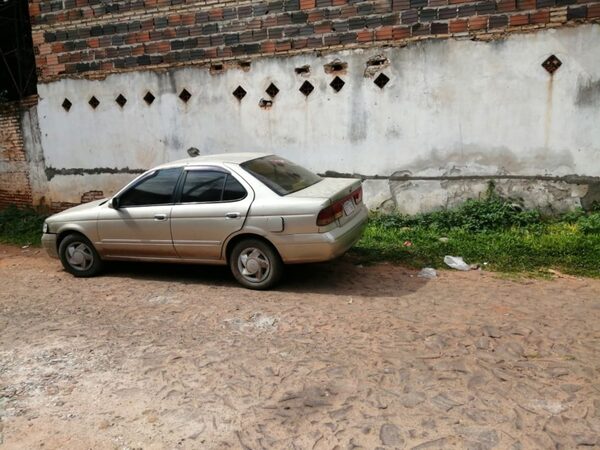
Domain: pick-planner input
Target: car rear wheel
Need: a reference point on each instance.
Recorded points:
(78, 256)
(255, 264)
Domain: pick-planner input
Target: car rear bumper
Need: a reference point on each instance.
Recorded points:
(315, 247)
(49, 243)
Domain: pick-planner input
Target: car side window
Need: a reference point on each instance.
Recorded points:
(203, 186)
(233, 190)
(157, 189)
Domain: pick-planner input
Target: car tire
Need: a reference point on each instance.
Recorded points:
(79, 257)
(255, 264)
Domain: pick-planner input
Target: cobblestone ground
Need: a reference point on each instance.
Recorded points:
(338, 357)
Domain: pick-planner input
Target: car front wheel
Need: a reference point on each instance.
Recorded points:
(79, 257)
(255, 264)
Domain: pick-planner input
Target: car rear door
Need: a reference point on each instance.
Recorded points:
(212, 204)
(140, 227)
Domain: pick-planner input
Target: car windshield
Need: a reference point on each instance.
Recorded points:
(281, 175)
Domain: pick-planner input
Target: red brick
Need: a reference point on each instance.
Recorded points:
(384, 34)
(188, 19)
(525, 5)
(400, 32)
(323, 27)
(593, 11)
(174, 20)
(143, 36)
(267, 47)
(315, 16)
(364, 36)
(518, 20)
(477, 23)
(34, 9)
(539, 17)
(307, 4)
(282, 46)
(45, 49)
(38, 37)
(216, 14)
(458, 26)
(339, 2)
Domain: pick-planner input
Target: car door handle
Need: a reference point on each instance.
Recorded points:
(160, 217)
(232, 215)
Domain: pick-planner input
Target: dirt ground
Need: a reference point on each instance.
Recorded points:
(338, 357)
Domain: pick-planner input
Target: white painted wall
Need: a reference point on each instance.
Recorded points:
(451, 107)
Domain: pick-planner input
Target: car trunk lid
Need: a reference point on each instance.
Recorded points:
(342, 193)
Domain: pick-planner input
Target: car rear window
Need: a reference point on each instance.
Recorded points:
(281, 175)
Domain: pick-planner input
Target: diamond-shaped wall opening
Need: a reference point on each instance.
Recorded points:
(551, 64)
(185, 96)
(337, 84)
(381, 80)
(239, 93)
(66, 104)
(121, 100)
(149, 98)
(272, 90)
(307, 88)
(94, 102)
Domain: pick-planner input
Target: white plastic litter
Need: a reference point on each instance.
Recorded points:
(427, 272)
(456, 262)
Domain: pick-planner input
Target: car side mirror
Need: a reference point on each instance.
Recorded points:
(114, 203)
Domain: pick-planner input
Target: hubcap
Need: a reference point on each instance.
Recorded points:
(80, 256)
(254, 265)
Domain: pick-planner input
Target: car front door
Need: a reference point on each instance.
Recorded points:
(141, 225)
(212, 205)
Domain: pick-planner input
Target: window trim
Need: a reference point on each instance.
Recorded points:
(179, 192)
(145, 177)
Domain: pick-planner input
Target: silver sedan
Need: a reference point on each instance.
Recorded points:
(254, 212)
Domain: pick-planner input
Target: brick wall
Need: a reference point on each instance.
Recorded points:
(93, 37)
(15, 188)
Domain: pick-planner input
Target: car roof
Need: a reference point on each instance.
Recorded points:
(233, 158)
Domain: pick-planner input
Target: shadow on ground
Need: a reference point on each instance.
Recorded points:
(340, 277)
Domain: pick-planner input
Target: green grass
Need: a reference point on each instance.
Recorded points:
(493, 232)
(21, 226)
(560, 246)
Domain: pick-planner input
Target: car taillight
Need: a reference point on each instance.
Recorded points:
(335, 211)
(357, 194)
(330, 214)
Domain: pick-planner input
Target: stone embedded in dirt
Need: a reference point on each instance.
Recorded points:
(483, 343)
(571, 388)
(390, 435)
(444, 402)
(412, 399)
(556, 372)
(480, 438)
(586, 439)
(491, 331)
(436, 444)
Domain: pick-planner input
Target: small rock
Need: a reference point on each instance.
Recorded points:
(412, 399)
(586, 439)
(444, 239)
(390, 435)
(103, 425)
(445, 403)
(556, 372)
(570, 388)
(491, 331)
